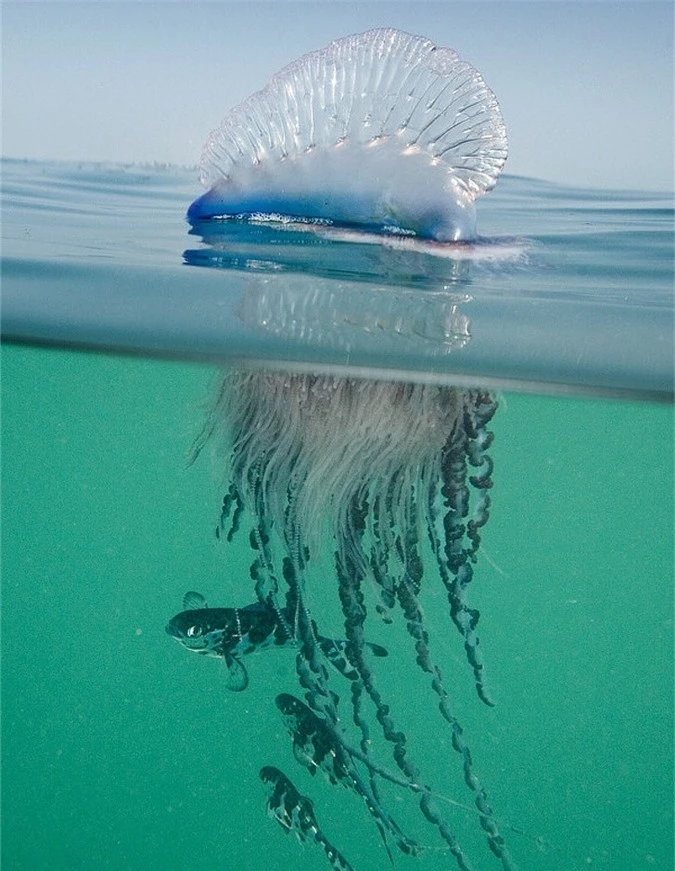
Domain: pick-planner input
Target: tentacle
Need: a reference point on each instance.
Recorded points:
(408, 590)
(407, 596)
(261, 479)
(232, 504)
(310, 661)
(388, 600)
(384, 582)
(480, 440)
(318, 745)
(314, 678)
(447, 526)
(354, 611)
(292, 437)
(262, 571)
(362, 724)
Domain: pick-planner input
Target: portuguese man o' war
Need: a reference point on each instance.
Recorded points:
(385, 483)
(379, 130)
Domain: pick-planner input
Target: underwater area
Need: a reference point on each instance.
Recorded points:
(120, 749)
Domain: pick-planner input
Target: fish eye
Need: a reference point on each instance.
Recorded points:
(193, 631)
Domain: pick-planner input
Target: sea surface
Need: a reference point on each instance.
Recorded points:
(120, 749)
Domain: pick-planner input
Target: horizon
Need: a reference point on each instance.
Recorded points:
(585, 88)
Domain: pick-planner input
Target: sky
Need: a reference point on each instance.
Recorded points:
(586, 87)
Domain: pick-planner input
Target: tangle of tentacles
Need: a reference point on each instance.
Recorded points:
(381, 473)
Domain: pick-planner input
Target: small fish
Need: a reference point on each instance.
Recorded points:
(230, 633)
(314, 745)
(317, 746)
(295, 813)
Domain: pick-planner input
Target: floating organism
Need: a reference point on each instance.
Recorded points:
(386, 135)
(380, 131)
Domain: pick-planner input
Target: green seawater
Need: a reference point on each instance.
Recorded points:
(120, 750)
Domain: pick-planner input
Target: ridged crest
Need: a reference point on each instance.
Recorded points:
(380, 85)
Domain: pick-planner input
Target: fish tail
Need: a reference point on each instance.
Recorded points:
(334, 856)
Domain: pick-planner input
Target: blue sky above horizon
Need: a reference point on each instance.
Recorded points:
(586, 87)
